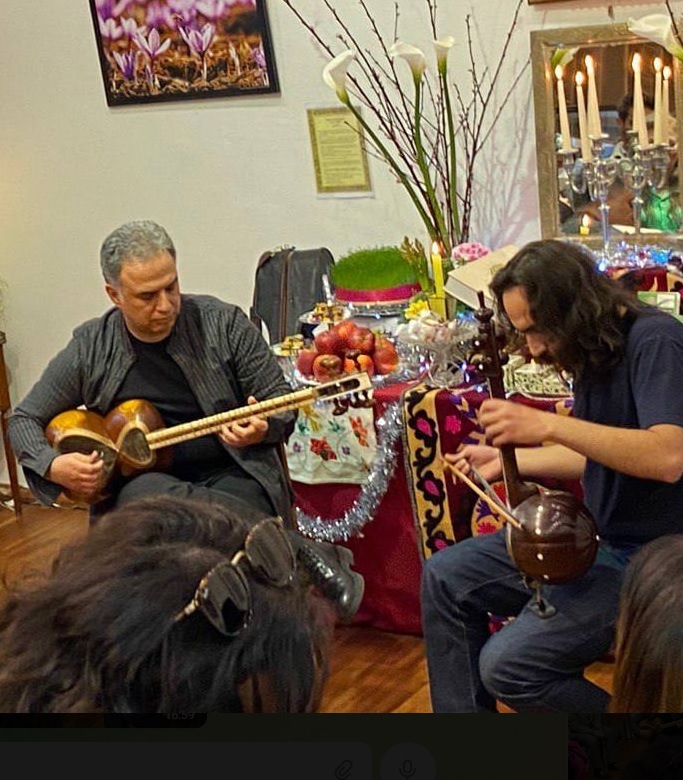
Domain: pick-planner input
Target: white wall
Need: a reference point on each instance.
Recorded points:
(228, 178)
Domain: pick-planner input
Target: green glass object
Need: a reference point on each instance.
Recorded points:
(662, 211)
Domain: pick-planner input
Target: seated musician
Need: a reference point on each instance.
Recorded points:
(190, 356)
(624, 440)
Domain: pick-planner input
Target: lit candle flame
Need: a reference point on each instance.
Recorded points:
(579, 78)
(586, 221)
(666, 72)
(635, 62)
(559, 73)
(589, 65)
(658, 64)
(436, 248)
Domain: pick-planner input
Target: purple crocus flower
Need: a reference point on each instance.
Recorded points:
(126, 63)
(108, 9)
(105, 8)
(199, 42)
(109, 30)
(212, 10)
(159, 15)
(130, 27)
(152, 47)
(259, 57)
(185, 9)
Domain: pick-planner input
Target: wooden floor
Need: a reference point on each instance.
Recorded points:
(372, 671)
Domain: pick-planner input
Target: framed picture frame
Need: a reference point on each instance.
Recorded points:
(183, 49)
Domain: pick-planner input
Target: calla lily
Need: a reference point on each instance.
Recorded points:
(442, 47)
(412, 55)
(657, 28)
(334, 74)
(562, 57)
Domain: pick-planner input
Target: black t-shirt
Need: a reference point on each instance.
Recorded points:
(157, 378)
(645, 389)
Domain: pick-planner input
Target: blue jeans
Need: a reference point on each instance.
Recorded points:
(532, 664)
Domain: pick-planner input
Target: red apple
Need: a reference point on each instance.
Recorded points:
(326, 367)
(362, 339)
(329, 342)
(345, 328)
(304, 360)
(385, 358)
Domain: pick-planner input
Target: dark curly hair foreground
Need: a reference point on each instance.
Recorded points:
(100, 636)
(586, 312)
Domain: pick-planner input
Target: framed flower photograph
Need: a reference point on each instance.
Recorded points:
(183, 49)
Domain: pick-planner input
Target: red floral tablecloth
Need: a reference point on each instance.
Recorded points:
(387, 554)
(422, 510)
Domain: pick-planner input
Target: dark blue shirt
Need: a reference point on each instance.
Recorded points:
(645, 389)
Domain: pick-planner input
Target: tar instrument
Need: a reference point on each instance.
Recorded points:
(551, 536)
(130, 437)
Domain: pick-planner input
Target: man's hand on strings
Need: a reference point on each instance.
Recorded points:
(507, 422)
(78, 473)
(244, 433)
(485, 459)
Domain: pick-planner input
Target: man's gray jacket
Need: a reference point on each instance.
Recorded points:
(221, 353)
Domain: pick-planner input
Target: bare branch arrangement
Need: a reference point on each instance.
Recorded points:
(431, 139)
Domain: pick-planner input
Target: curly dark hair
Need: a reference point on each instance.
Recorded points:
(586, 312)
(99, 635)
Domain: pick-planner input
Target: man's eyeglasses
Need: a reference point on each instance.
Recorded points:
(223, 595)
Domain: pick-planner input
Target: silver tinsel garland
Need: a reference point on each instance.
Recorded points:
(372, 492)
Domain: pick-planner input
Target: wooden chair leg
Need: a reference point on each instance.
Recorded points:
(11, 467)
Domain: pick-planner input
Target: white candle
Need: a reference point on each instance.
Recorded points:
(659, 136)
(562, 108)
(639, 123)
(586, 153)
(594, 125)
(665, 104)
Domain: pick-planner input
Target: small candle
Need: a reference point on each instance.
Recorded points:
(666, 72)
(586, 153)
(639, 123)
(658, 137)
(562, 108)
(437, 268)
(594, 125)
(585, 226)
(439, 303)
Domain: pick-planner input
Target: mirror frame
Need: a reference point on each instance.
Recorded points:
(543, 44)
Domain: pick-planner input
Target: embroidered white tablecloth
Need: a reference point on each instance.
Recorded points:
(327, 447)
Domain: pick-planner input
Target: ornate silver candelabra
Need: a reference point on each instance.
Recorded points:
(645, 166)
(596, 176)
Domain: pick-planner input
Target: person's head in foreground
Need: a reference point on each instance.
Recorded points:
(552, 294)
(648, 673)
(168, 605)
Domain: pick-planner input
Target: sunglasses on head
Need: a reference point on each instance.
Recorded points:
(223, 595)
